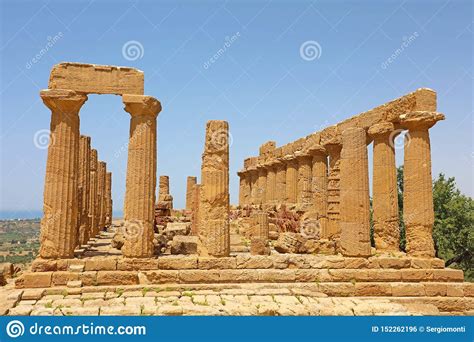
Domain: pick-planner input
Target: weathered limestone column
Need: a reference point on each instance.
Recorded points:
(355, 205)
(253, 174)
(59, 224)
(214, 202)
(280, 181)
(108, 196)
(262, 184)
(101, 175)
(244, 188)
(418, 212)
(333, 149)
(84, 189)
(305, 195)
(270, 187)
(384, 190)
(164, 197)
(319, 186)
(195, 209)
(291, 179)
(141, 175)
(260, 234)
(190, 182)
(93, 198)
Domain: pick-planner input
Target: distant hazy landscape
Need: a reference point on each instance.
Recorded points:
(19, 240)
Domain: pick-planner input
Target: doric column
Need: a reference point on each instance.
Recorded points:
(291, 179)
(108, 196)
(93, 198)
(59, 224)
(418, 213)
(262, 184)
(244, 188)
(271, 182)
(333, 149)
(319, 186)
(214, 202)
(384, 188)
(84, 189)
(190, 182)
(305, 195)
(164, 197)
(141, 175)
(101, 175)
(355, 205)
(195, 210)
(260, 234)
(253, 175)
(280, 181)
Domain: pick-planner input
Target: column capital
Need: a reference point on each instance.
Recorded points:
(300, 155)
(381, 129)
(420, 119)
(317, 150)
(62, 100)
(141, 105)
(289, 159)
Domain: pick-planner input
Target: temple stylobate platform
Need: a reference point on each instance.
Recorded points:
(302, 228)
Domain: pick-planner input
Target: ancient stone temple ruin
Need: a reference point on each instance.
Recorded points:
(298, 242)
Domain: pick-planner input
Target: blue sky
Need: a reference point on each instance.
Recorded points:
(262, 84)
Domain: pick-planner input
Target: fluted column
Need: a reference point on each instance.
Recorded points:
(418, 212)
(141, 175)
(195, 209)
(190, 182)
(280, 182)
(262, 184)
(84, 189)
(101, 175)
(384, 188)
(59, 224)
(271, 182)
(319, 186)
(253, 174)
(214, 199)
(108, 196)
(93, 198)
(260, 234)
(354, 196)
(291, 180)
(304, 180)
(333, 149)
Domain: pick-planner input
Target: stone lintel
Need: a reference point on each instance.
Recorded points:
(96, 79)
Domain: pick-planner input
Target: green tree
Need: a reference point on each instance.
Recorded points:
(453, 230)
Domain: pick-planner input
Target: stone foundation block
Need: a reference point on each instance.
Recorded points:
(61, 278)
(407, 289)
(101, 264)
(161, 277)
(373, 289)
(239, 276)
(172, 262)
(88, 278)
(254, 261)
(448, 274)
(117, 278)
(337, 289)
(217, 263)
(272, 275)
(435, 289)
(43, 265)
(137, 264)
(198, 276)
(37, 279)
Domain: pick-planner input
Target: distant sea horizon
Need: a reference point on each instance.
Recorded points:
(31, 214)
